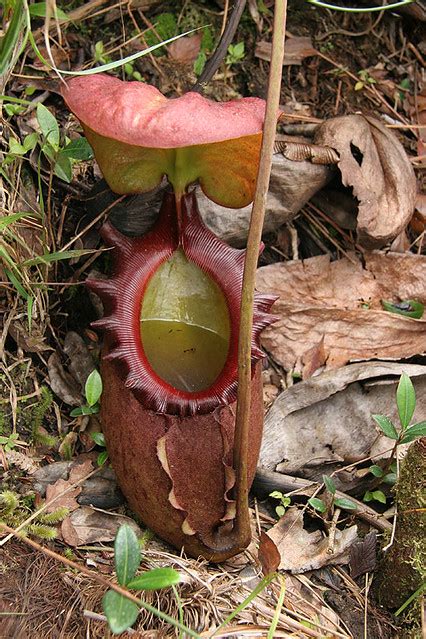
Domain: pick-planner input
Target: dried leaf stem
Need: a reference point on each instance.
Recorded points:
(242, 524)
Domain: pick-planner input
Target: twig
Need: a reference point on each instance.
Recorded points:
(332, 531)
(250, 266)
(221, 49)
(98, 578)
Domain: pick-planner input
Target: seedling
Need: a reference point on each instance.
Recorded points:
(365, 79)
(99, 440)
(235, 53)
(92, 393)
(284, 502)
(336, 502)
(119, 611)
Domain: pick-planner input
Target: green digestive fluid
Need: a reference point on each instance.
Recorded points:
(185, 327)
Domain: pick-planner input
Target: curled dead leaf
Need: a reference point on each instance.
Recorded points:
(301, 550)
(375, 166)
(88, 526)
(300, 151)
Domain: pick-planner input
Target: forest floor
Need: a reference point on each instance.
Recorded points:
(53, 202)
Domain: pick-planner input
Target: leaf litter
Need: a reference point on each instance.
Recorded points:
(375, 181)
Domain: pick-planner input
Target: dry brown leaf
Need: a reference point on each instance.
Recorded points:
(66, 500)
(375, 166)
(319, 424)
(88, 526)
(339, 303)
(186, 49)
(297, 48)
(268, 554)
(301, 550)
(62, 383)
(69, 499)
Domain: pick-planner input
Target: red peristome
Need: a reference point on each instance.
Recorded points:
(138, 114)
(136, 260)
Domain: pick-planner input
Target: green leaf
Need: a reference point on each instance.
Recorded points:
(93, 388)
(63, 168)
(359, 85)
(390, 479)
(30, 141)
(85, 410)
(99, 439)
(127, 554)
(405, 400)
(376, 470)
(120, 612)
(78, 149)
(414, 431)
(102, 457)
(344, 503)
(378, 495)
(317, 504)
(386, 426)
(407, 308)
(16, 147)
(368, 496)
(155, 579)
(38, 10)
(11, 38)
(276, 494)
(200, 63)
(329, 484)
(280, 510)
(48, 125)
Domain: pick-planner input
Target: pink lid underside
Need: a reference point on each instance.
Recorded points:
(138, 114)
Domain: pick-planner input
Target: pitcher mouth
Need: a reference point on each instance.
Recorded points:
(129, 297)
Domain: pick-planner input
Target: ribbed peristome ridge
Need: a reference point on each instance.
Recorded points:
(135, 261)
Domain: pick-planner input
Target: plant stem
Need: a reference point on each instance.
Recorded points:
(242, 524)
(221, 49)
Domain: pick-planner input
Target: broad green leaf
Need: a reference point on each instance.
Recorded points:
(386, 426)
(390, 479)
(344, 503)
(16, 147)
(317, 504)
(406, 308)
(155, 579)
(102, 457)
(120, 612)
(30, 141)
(329, 484)
(276, 494)
(405, 400)
(99, 439)
(280, 510)
(376, 470)
(93, 388)
(10, 39)
(414, 431)
(368, 496)
(38, 10)
(127, 554)
(78, 149)
(48, 125)
(379, 496)
(63, 168)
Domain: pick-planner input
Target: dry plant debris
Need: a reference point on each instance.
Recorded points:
(336, 65)
(332, 310)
